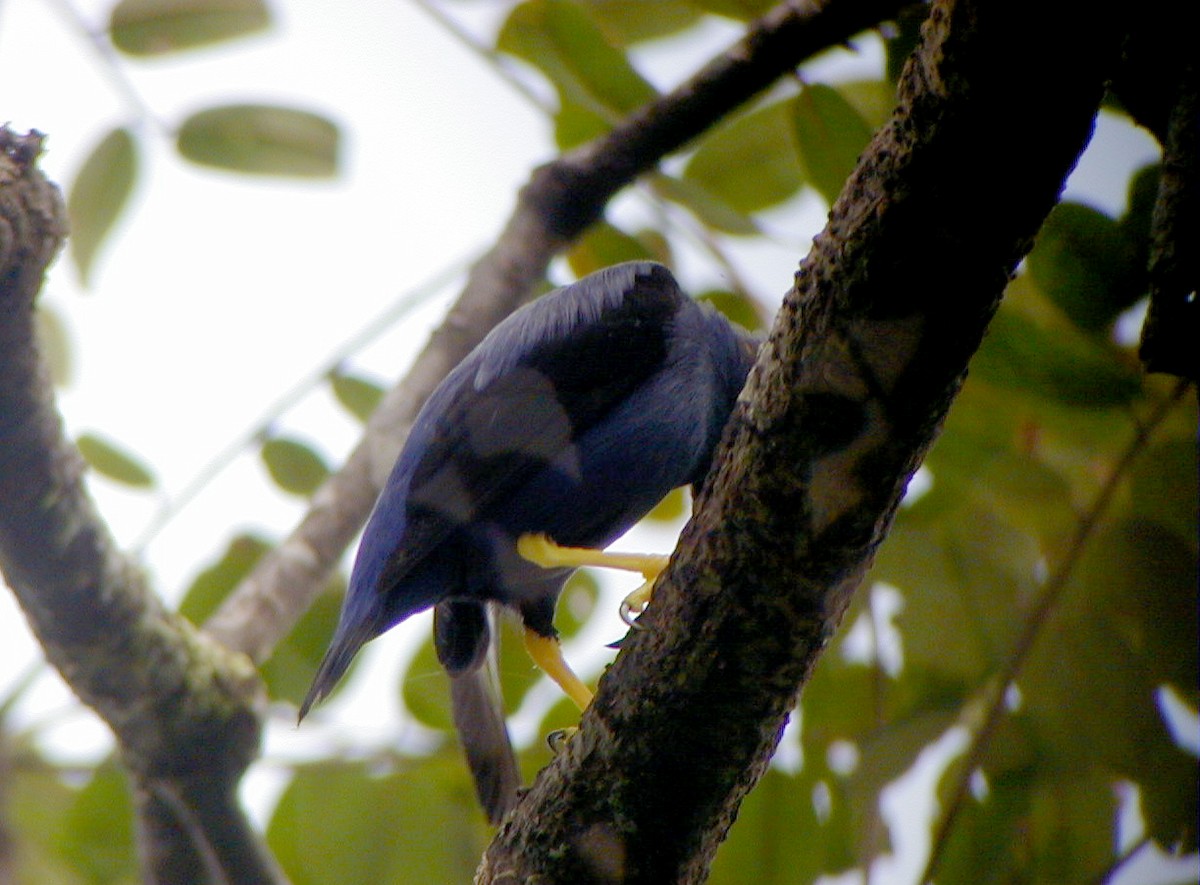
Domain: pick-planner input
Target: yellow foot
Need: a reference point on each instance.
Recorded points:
(635, 603)
(540, 550)
(546, 652)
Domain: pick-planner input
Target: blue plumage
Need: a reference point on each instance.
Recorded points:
(573, 418)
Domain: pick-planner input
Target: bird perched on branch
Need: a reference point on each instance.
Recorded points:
(561, 429)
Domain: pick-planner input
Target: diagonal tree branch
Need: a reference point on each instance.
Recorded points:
(185, 712)
(560, 201)
(868, 351)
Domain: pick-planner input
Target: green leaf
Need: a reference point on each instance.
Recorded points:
(425, 689)
(736, 306)
(262, 140)
(155, 27)
(576, 604)
(210, 587)
(344, 823)
(1086, 264)
(294, 661)
(671, 508)
(634, 21)
(904, 40)
(358, 396)
(708, 209)
(829, 136)
(1054, 360)
(97, 837)
(874, 100)
(749, 162)
(603, 246)
(1164, 487)
(109, 460)
(744, 10)
(38, 808)
(294, 466)
(98, 195)
(778, 838)
(595, 81)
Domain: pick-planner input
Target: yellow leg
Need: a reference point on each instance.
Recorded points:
(540, 550)
(547, 654)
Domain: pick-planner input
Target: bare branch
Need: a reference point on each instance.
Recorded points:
(559, 202)
(866, 355)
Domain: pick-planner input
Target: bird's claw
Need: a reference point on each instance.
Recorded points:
(634, 604)
(558, 739)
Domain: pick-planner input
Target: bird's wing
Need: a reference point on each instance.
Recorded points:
(538, 383)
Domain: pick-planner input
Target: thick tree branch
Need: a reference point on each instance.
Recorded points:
(866, 355)
(185, 712)
(560, 201)
(1173, 323)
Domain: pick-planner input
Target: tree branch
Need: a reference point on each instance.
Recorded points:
(868, 351)
(185, 712)
(1169, 335)
(558, 203)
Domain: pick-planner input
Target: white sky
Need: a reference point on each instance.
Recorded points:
(218, 292)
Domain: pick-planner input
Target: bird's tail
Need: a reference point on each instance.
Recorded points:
(345, 645)
(464, 635)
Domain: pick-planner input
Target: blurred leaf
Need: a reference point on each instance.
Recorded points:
(1164, 487)
(671, 508)
(1127, 626)
(975, 572)
(576, 603)
(988, 844)
(98, 196)
(748, 163)
(210, 587)
(874, 100)
(829, 136)
(1085, 263)
(425, 689)
(154, 27)
(633, 21)
(54, 342)
(294, 466)
(595, 81)
(603, 246)
(358, 396)
(735, 306)
(517, 671)
(294, 661)
(745, 10)
(904, 39)
(1143, 194)
(262, 140)
(97, 836)
(340, 823)
(1055, 362)
(38, 805)
(709, 210)
(778, 838)
(107, 459)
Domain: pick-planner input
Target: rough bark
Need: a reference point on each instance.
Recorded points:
(866, 355)
(186, 713)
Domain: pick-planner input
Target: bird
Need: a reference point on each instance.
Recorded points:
(563, 427)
